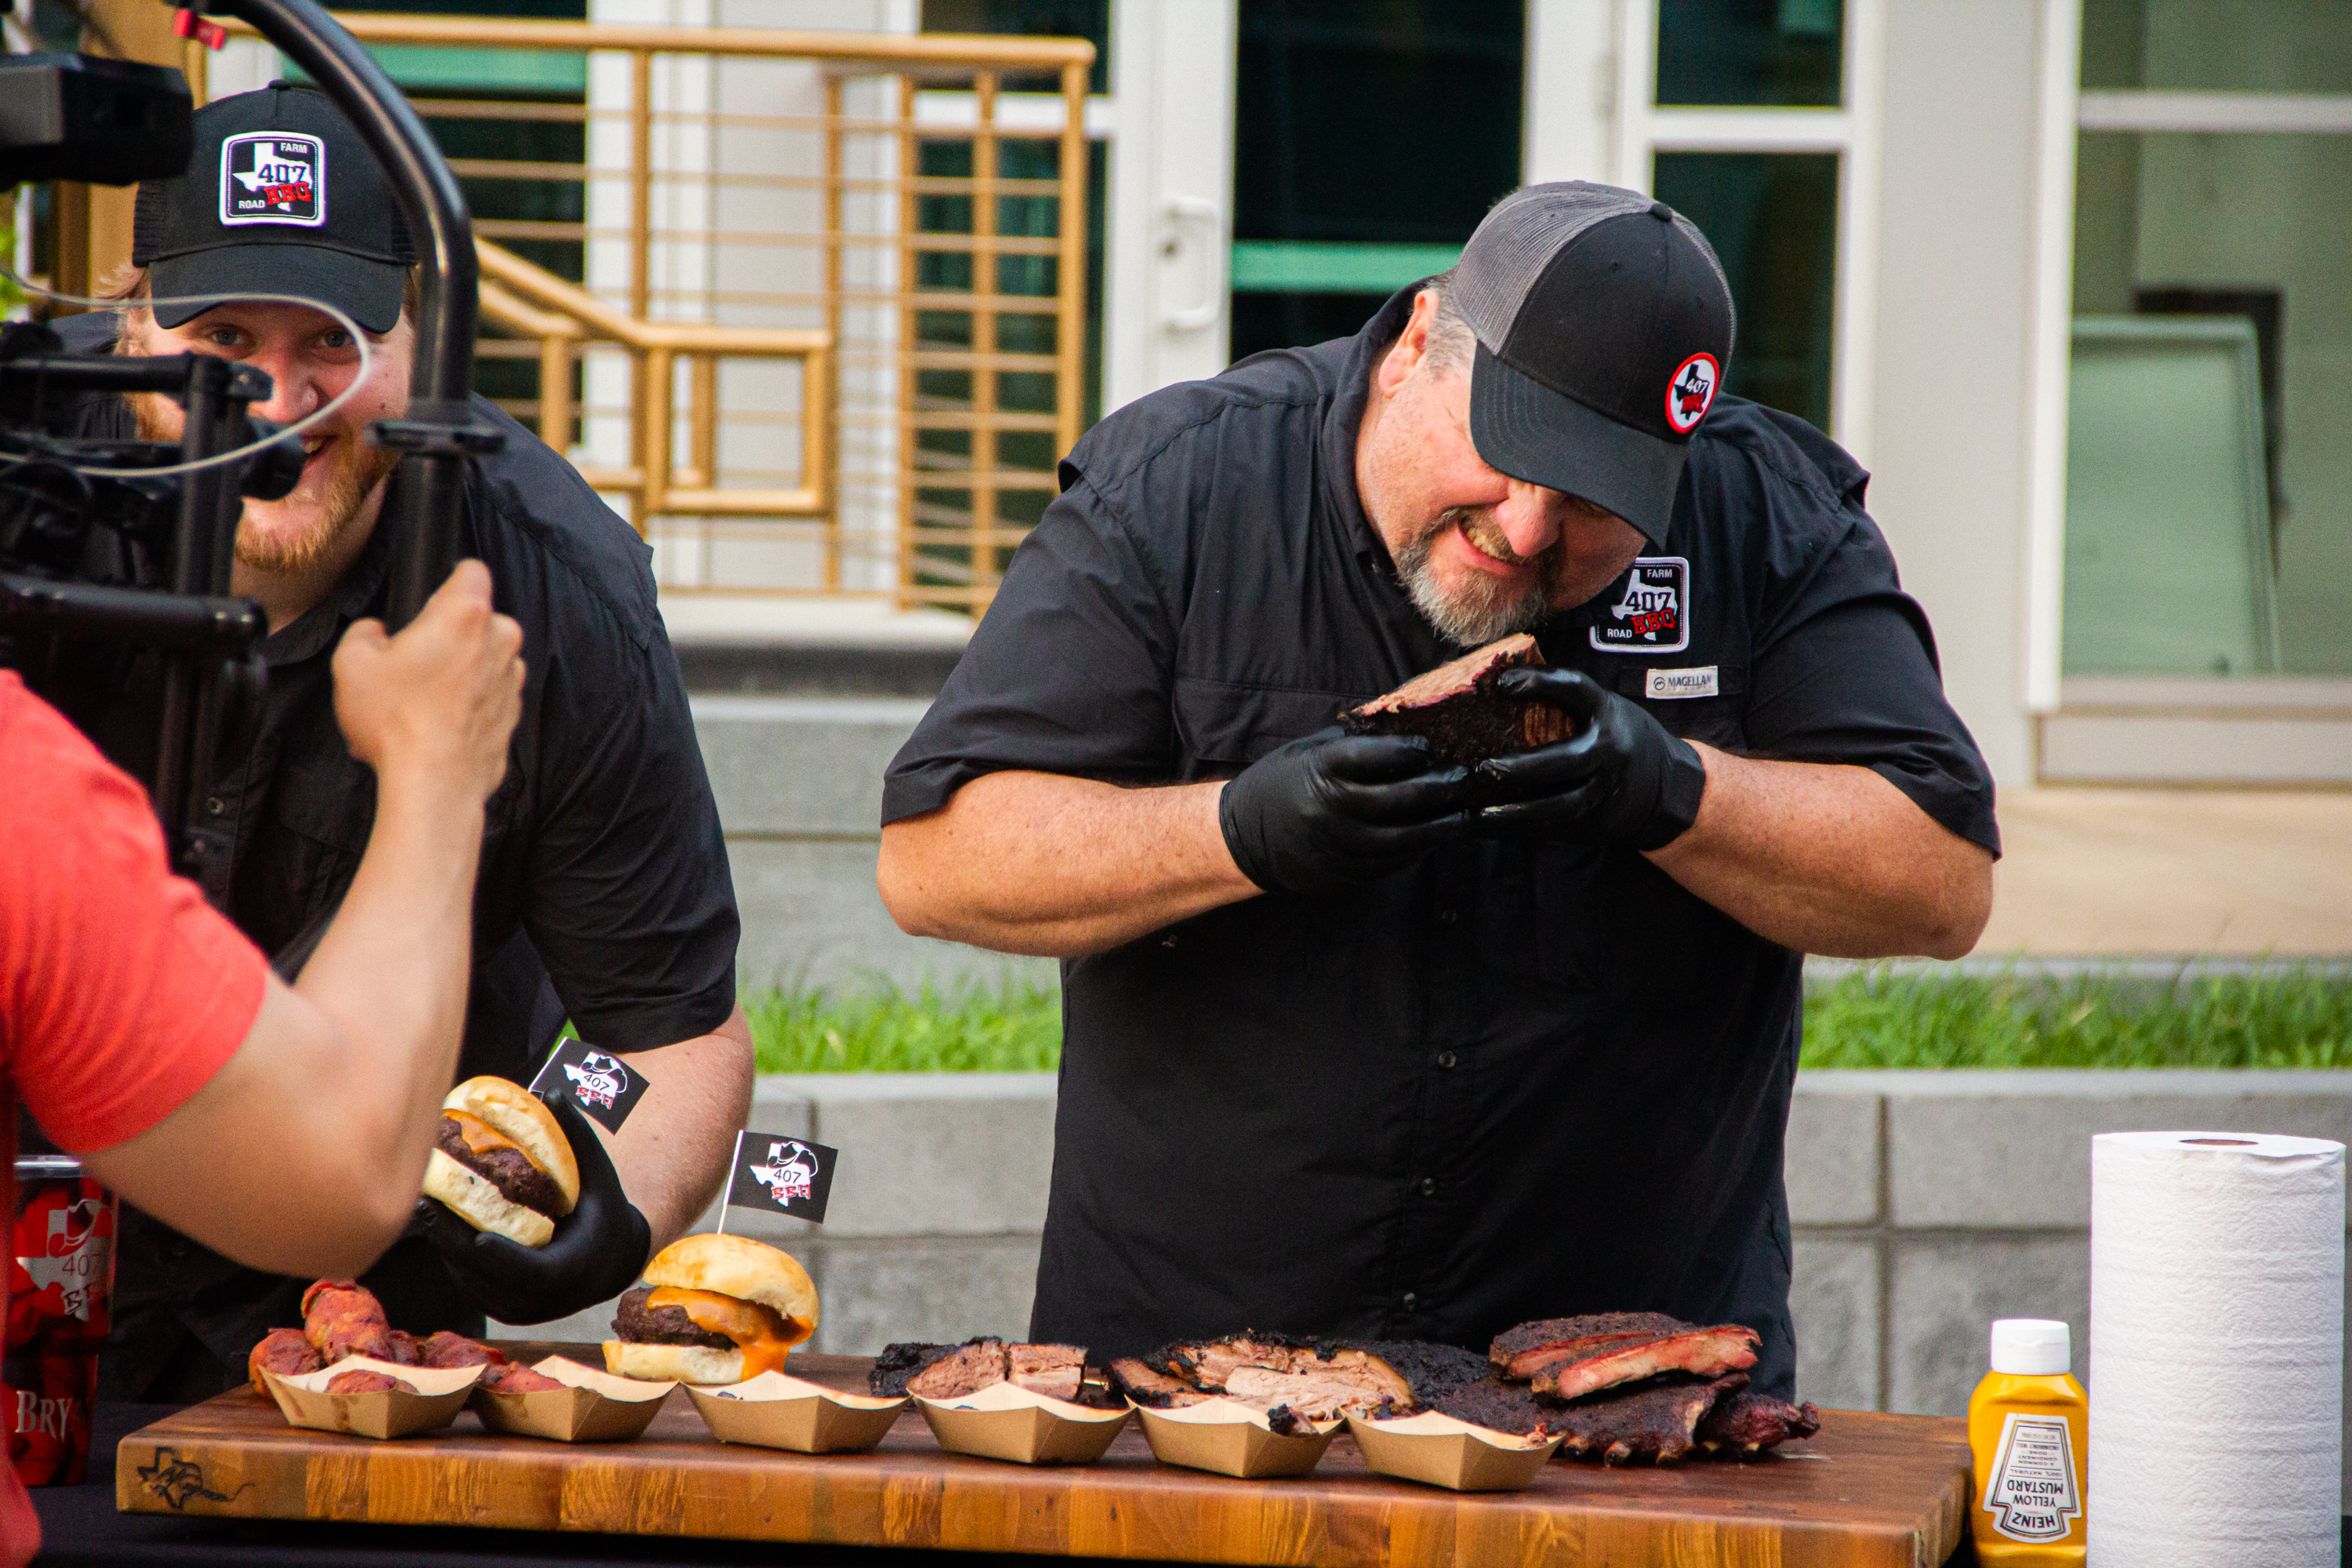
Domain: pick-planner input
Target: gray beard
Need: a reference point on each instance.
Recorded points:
(1485, 611)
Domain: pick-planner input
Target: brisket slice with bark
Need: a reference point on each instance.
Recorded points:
(1457, 710)
(1498, 1406)
(1520, 1352)
(1319, 1380)
(951, 1372)
(1155, 1390)
(1702, 1352)
(1748, 1424)
(1659, 1423)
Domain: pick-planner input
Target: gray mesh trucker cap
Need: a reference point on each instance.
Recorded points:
(1604, 330)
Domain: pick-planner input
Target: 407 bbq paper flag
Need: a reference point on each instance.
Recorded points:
(783, 1175)
(599, 1084)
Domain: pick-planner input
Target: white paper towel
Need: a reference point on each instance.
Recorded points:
(2217, 1350)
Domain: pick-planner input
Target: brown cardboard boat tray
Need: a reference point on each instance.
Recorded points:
(1869, 1490)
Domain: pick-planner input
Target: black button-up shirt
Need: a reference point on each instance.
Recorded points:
(604, 892)
(1516, 1080)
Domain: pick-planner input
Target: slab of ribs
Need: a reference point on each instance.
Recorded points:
(1457, 710)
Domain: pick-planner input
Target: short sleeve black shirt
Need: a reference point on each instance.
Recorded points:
(1513, 1080)
(603, 893)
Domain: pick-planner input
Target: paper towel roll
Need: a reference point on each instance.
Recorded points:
(2217, 1350)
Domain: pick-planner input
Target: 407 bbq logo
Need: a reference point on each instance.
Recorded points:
(1690, 392)
(1651, 613)
(273, 176)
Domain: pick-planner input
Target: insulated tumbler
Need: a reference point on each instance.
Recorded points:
(59, 1281)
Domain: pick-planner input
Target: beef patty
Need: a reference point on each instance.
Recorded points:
(517, 1179)
(661, 1325)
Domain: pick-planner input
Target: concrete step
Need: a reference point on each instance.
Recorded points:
(799, 785)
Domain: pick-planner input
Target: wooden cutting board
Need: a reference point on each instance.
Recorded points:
(1869, 1490)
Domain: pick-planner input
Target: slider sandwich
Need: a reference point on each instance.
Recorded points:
(502, 1162)
(712, 1310)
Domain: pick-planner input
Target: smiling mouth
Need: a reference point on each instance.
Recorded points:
(1494, 547)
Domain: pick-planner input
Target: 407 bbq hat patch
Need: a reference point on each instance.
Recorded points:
(273, 176)
(282, 197)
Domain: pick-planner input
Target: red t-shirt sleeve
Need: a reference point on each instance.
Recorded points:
(121, 991)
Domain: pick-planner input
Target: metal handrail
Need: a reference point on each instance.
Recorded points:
(952, 530)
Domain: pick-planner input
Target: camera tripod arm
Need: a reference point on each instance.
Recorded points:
(440, 428)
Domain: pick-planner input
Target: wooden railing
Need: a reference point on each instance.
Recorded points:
(896, 260)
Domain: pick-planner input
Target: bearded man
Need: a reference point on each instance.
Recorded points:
(1355, 1043)
(604, 892)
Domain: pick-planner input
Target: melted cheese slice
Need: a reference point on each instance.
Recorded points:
(481, 1137)
(762, 1334)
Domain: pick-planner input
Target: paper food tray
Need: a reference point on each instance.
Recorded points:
(593, 1408)
(1232, 1439)
(1444, 1452)
(1006, 1421)
(441, 1393)
(775, 1410)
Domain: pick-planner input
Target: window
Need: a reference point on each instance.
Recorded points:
(1747, 117)
(2208, 450)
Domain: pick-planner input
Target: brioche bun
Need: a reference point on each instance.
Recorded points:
(673, 1364)
(517, 1115)
(737, 1267)
(480, 1205)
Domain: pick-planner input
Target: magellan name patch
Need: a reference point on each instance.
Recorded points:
(1651, 612)
(274, 176)
(1671, 683)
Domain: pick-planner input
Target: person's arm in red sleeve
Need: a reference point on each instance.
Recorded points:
(285, 1127)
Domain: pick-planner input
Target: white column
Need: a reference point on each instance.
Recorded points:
(1569, 120)
(1167, 310)
(2049, 319)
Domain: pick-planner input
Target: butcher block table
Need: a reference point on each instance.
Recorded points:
(1869, 1489)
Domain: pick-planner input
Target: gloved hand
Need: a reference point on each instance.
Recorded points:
(1620, 778)
(1332, 812)
(597, 1252)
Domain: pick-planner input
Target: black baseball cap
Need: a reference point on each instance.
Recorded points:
(280, 197)
(1604, 330)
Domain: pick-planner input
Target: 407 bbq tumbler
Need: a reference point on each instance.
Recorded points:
(60, 1273)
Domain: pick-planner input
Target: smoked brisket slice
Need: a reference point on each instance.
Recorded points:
(1319, 1380)
(1155, 1389)
(1498, 1406)
(1748, 1424)
(951, 1372)
(1702, 1352)
(1457, 710)
(1518, 1353)
(1658, 1423)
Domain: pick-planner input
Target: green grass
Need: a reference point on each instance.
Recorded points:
(1010, 1027)
(1871, 1020)
(1876, 1020)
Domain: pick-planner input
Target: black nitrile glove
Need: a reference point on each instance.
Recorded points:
(1618, 778)
(1333, 811)
(597, 1252)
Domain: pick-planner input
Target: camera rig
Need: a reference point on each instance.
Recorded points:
(94, 548)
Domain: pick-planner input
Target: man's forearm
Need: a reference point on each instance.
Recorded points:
(1829, 859)
(672, 1152)
(1056, 866)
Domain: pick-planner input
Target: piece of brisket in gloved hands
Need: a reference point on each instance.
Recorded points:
(1620, 778)
(597, 1252)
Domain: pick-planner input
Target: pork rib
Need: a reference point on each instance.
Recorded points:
(1658, 1423)
(1457, 710)
(1749, 1423)
(1703, 1352)
(1520, 1352)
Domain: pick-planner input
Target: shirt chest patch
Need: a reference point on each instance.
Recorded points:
(1651, 613)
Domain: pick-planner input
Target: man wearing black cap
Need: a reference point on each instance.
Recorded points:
(1358, 1044)
(604, 892)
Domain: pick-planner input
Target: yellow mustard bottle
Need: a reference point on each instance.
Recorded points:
(2028, 1426)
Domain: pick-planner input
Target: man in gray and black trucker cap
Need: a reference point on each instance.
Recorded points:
(1360, 1044)
(603, 894)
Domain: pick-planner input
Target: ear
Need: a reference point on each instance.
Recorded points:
(1411, 347)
